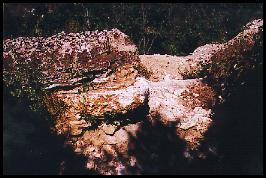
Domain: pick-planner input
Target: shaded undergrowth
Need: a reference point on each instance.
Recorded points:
(29, 146)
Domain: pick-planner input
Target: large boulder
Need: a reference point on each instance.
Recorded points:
(101, 95)
(66, 60)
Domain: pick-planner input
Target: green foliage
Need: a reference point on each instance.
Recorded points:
(175, 29)
(25, 82)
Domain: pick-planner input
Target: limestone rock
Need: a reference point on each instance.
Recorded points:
(109, 129)
(100, 105)
(94, 88)
(64, 60)
(175, 104)
(211, 60)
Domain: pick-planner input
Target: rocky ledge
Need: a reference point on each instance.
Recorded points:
(100, 93)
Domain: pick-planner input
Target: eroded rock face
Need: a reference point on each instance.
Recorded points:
(184, 104)
(68, 59)
(216, 61)
(94, 89)
(96, 105)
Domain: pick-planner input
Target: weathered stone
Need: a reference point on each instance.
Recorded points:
(214, 58)
(172, 101)
(106, 63)
(75, 131)
(65, 60)
(95, 106)
(109, 129)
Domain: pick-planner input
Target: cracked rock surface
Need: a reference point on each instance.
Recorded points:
(95, 89)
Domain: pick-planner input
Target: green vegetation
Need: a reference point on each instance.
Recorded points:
(175, 29)
(25, 82)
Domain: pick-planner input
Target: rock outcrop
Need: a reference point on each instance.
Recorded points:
(100, 92)
(65, 60)
(217, 62)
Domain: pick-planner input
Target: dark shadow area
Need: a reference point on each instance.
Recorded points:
(30, 148)
(233, 145)
(237, 133)
(158, 149)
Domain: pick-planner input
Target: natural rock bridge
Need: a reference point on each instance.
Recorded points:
(100, 92)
